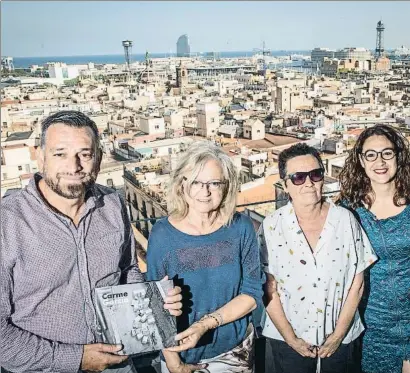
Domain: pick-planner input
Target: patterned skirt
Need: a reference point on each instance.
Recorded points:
(238, 360)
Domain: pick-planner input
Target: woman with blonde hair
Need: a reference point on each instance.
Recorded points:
(213, 252)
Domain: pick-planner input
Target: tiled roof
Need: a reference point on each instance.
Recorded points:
(9, 102)
(356, 131)
(264, 192)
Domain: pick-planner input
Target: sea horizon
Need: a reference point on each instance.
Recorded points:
(26, 62)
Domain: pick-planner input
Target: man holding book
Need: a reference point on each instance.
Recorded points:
(60, 236)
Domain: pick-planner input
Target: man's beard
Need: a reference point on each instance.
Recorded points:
(70, 191)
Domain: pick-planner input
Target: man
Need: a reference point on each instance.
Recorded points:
(59, 237)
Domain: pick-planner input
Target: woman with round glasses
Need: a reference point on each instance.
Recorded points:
(375, 183)
(314, 254)
(213, 253)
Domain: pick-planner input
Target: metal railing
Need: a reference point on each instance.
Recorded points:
(243, 205)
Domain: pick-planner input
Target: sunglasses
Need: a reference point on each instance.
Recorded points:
(299, 178)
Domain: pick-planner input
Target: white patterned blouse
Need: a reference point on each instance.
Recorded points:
(313, 286)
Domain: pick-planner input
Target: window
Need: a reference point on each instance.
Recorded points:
(27, 168)
(258, 131)
(212, 120)
(4, 124)
(20, 168)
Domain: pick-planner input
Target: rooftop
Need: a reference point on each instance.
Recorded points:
(260, 193)
(16, 136)
(14, 146)
(355, 131)
(9, 102)
(166, 142)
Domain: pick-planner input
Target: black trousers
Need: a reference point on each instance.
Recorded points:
(346, 359)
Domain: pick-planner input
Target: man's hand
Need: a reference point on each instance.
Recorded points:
(189, 337)
(303, 348)
(173, 301)
(331, 344)
(99, 356)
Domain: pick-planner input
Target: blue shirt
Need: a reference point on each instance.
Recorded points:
(386, 301)
(214, 268)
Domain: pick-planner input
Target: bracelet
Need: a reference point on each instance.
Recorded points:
(210, 316)
(216, 316)
(220, 318)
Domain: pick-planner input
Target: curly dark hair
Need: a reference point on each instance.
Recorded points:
(355, 186)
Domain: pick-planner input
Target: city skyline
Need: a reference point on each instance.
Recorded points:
(40, 28)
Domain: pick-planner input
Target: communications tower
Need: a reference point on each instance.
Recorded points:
(380, 39)
(127, 44)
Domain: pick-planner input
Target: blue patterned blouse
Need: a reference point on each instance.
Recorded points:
(386, 302)
(215, 267)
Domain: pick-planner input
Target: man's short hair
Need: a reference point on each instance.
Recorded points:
(70, 118)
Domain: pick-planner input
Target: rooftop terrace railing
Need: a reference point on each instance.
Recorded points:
(261, 349)
(330, 193)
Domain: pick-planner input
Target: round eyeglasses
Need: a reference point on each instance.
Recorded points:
(386, 154)
(213, 185)
(299, 178)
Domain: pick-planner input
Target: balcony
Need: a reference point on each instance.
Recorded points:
(148, 195)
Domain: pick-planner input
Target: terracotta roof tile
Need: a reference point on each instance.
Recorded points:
(264, 192)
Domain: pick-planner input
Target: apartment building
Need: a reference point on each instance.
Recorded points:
(152, 125)
(254, 129)
(317, 55)
(208, 118)
(18, 155)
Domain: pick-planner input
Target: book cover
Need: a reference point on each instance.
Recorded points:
(133, 315)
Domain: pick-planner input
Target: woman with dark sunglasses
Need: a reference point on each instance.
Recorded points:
(375, 183)
(314, 254)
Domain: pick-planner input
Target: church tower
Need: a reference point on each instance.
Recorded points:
(182, 77)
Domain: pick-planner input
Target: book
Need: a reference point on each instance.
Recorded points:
(133, 315)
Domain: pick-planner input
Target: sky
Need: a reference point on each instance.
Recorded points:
(69, 28)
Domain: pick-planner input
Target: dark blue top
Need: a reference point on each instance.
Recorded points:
(213, 269)
(386, 301)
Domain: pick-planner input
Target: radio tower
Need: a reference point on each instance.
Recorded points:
(127, 44)
(379, 39)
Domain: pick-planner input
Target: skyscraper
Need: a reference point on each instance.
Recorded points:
(183, 48)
